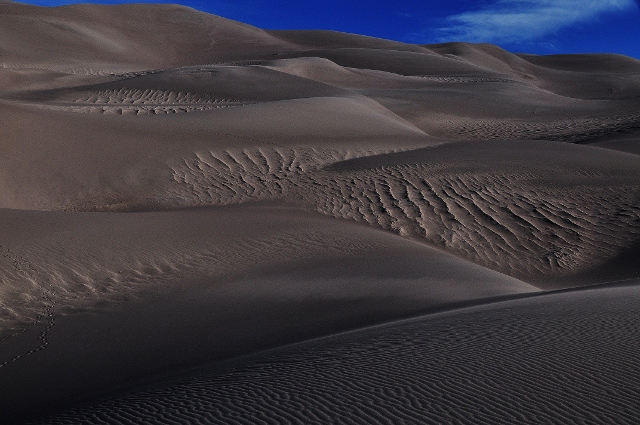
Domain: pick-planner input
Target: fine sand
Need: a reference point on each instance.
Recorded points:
(562, 358)
(206, 222)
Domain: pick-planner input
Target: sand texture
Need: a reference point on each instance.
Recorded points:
(206, 222)
(563, 358)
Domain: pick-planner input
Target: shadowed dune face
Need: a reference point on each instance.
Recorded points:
(226, 189)
(558, 358)
(602, 64)
(94, 300)
(76, 260)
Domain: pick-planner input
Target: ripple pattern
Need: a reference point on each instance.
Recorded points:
(57, 278)
(507, 222)
(557, 359)
(566, 130)
(139, 102)
(236, 176)
(530, 224)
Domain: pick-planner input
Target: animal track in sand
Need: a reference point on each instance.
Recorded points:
(23, 267)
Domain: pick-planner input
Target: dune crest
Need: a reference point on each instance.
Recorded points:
(179, 190)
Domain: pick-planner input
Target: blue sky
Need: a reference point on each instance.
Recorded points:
(530, 26)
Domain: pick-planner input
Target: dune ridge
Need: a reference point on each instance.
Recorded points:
(507, 216)
(182, 190)
(498, 363)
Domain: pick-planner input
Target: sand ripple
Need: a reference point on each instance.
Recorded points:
(561, 359)
(532, 223)
(140, 102)
(502, 221)
(565, 130)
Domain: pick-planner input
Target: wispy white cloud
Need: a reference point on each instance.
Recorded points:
(507, 21)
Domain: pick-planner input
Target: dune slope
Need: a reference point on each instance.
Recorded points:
(178, 189)
(564, 358)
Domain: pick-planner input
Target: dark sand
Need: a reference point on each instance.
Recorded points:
(561, 358)
(179, 191)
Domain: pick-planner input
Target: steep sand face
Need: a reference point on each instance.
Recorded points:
(178, 188)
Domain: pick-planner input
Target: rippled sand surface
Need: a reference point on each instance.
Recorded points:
(181, 192)
(561, 358)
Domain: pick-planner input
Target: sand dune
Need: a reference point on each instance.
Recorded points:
(95, 257)
(485, 202)
(183, 190)
(114, 38)
(561, 358)
(579, 76)
(197, 285)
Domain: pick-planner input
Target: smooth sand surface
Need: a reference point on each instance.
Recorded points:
(178, 190)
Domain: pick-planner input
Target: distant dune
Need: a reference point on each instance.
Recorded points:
(180, 192)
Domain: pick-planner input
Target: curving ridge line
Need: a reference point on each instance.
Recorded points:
(515, 220)
(549, 358)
